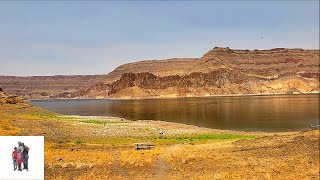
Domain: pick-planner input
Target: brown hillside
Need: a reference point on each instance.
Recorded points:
(46, 86)
(176, 66)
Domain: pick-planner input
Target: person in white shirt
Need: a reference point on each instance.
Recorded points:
(20, 147)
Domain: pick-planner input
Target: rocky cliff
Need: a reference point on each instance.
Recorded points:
(221, 71)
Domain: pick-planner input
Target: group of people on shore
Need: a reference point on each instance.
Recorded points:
(20, 155)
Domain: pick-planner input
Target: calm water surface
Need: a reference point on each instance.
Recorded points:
(247, 113)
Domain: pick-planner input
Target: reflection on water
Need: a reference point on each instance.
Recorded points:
(248, 113)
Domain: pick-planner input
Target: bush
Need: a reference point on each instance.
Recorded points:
(13, 100)
(79, 141)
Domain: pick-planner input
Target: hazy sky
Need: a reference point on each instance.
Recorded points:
(79, 37)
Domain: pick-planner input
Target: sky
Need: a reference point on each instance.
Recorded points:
(94, 37)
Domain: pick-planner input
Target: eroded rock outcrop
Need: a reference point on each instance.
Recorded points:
(217, 78)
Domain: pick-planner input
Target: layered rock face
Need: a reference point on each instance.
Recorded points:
(217, 78)
(167, 67)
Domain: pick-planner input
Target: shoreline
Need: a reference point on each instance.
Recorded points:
(177, 124)
(177, 97)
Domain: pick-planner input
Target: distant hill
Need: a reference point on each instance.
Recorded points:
(221, 71)
(33, 87)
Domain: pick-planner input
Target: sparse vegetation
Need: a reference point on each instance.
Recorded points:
(214, 136)
(79, 141)
(99, 122)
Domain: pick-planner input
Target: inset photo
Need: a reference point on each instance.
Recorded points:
(22, 157)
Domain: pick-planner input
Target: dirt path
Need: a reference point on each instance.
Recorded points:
(117, 168)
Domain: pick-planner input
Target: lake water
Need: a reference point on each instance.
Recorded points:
(247, 113)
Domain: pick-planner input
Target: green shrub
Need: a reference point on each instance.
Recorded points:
(79, 141)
